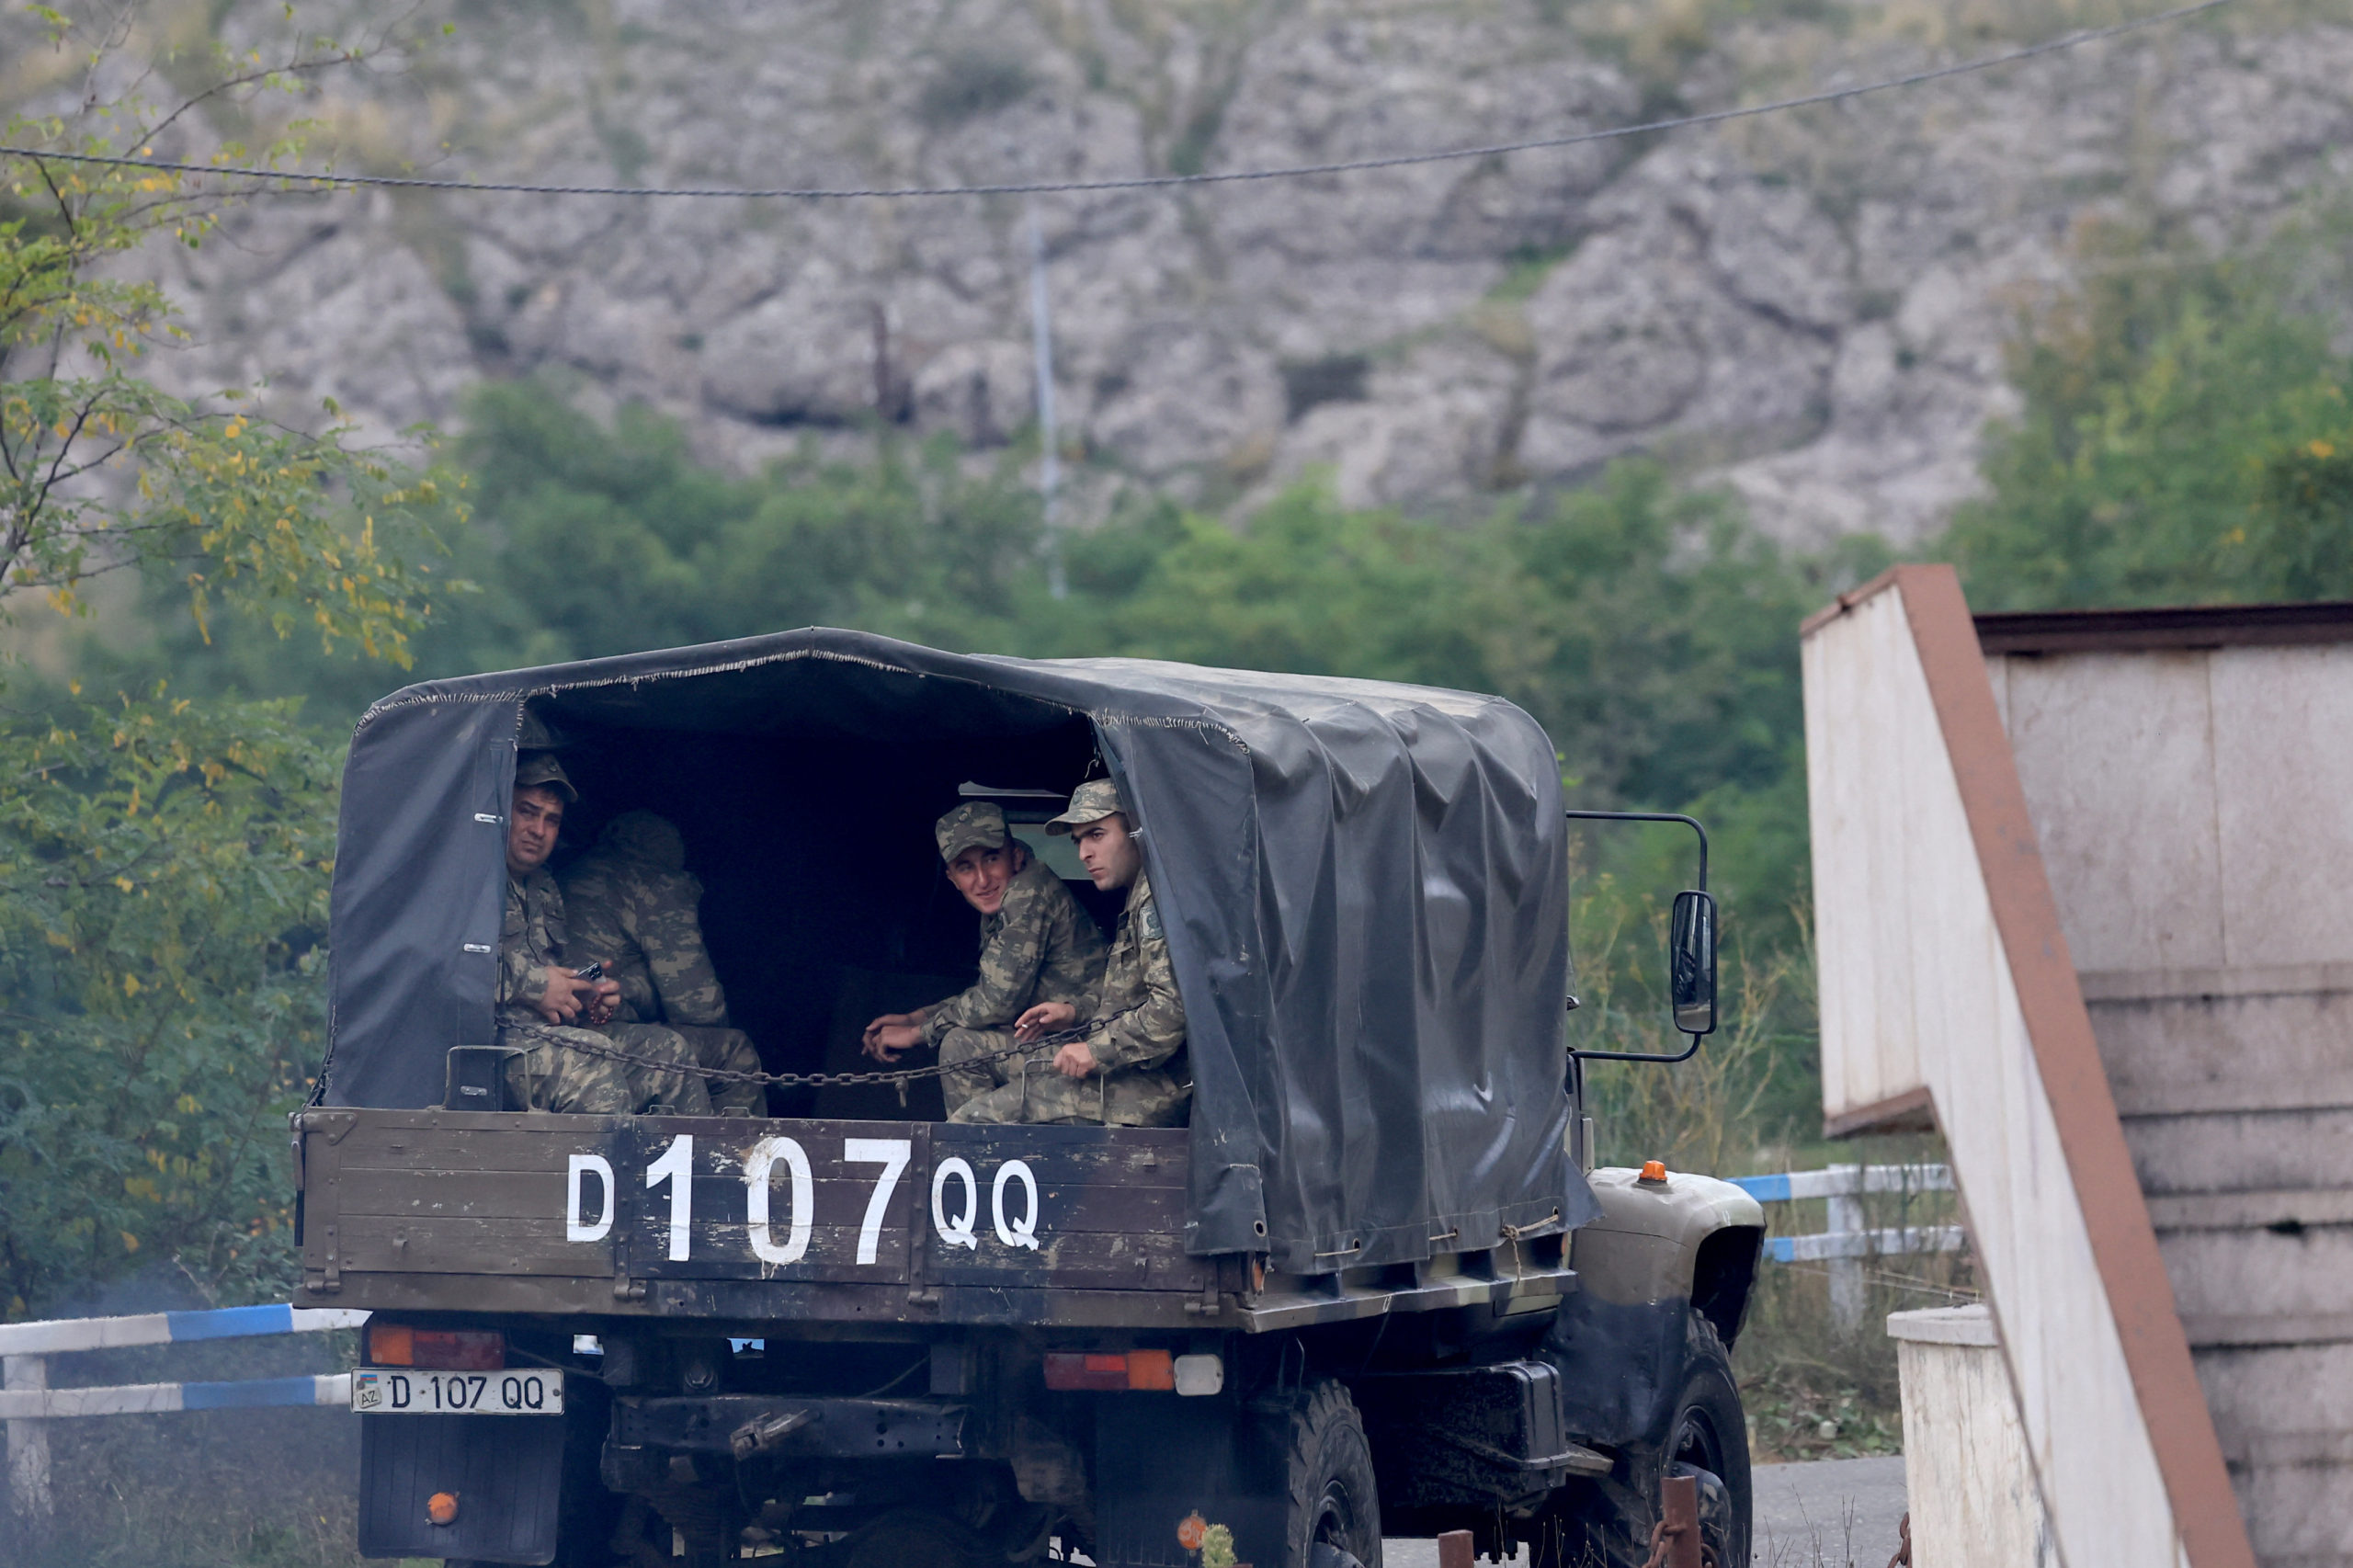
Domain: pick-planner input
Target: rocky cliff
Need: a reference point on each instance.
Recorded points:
(1811, 306)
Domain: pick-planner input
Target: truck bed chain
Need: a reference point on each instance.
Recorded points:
(562, 1040)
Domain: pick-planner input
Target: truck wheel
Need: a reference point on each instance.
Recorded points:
(1335, 1508)
(1708, 1440)
(1605, 1523)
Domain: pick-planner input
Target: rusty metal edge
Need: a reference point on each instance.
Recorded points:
(1910, 1111)
(2174, 627)
(1847, 601)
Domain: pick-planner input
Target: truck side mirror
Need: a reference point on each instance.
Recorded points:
(1691, 963)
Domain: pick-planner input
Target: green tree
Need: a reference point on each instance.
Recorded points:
(163, 899)
(604, 541)
(2176, 418)
(2304, 515)
(1304, 586)
(162, 862)
(1646, 626)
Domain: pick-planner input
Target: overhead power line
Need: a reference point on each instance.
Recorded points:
(288, 182)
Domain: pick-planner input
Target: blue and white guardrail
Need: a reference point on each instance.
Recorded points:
(27, 1397)
(61, 1334)
(147, 1399)
(27, 1403)
(1846, 1237)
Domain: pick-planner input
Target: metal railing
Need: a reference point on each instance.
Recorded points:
(28, 1403)
(1849, 1242)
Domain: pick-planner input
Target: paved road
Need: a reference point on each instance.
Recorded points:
(1831, 1515)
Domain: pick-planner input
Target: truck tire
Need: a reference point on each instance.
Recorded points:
(1708, 1437)
(1605, 1523)
(1334, 1506)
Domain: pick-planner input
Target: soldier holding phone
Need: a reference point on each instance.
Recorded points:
(547, 1002)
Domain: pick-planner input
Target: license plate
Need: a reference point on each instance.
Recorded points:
(376, 1392)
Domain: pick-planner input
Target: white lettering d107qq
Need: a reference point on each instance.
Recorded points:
(1012, 1197)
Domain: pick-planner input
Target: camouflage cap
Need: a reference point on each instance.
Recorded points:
(535, 734)
(644, 837)
(1091, 802)
(975, 824)
(542, 769)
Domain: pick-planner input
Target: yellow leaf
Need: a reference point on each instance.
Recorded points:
(129, 981)
(188, 1105)
(2322, 450)
(129, 1242)
(124, 883)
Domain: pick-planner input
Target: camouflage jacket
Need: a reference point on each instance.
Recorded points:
(641, 920)
(1141, 1017)
(531, 938)
(1038, 947)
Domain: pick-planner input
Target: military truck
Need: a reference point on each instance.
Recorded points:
(1374, 1286)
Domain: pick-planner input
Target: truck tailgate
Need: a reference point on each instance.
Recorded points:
(753, 1219)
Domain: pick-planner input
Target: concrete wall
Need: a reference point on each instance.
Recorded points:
(2195, 808)
(1945, 975)
(1967, 1480)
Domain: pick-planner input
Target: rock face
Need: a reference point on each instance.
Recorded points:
(1811, 306)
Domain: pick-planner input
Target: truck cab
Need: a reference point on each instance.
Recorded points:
(1374, 1287)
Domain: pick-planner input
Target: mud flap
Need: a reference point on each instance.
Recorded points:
(1619, 1365)
(506, 1472)
(1161, 1460)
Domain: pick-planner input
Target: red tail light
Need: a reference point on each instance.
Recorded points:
(1077, 1372)
(436, 1349)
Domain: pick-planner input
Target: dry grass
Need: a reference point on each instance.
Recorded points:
(1815, 1389)
(206, 1489)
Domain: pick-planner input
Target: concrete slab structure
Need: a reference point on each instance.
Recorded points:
(2186, 774)
(1948, 989)
(1973, 1492)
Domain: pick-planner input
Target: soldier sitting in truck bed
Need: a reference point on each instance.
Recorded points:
(1037, 945)
(543, 1006)
(631, 897)
(1129, 1068)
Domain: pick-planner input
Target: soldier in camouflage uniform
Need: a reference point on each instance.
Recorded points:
(1037, 946)
(543, 1007)
(632, 898)
(1129, 1070)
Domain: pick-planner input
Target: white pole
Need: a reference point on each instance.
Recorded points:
(1848, 1295)
(29, 1491)
(1041, 342)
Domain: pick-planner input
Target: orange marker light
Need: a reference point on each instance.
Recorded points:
(442, 1508)
(1655, 1171)
(391, 1344)
(1152, 1371)
(1192, 1532)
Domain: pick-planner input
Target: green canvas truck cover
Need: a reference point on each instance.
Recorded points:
(1364, 888)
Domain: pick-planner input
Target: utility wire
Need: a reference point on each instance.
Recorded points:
(291, 183)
